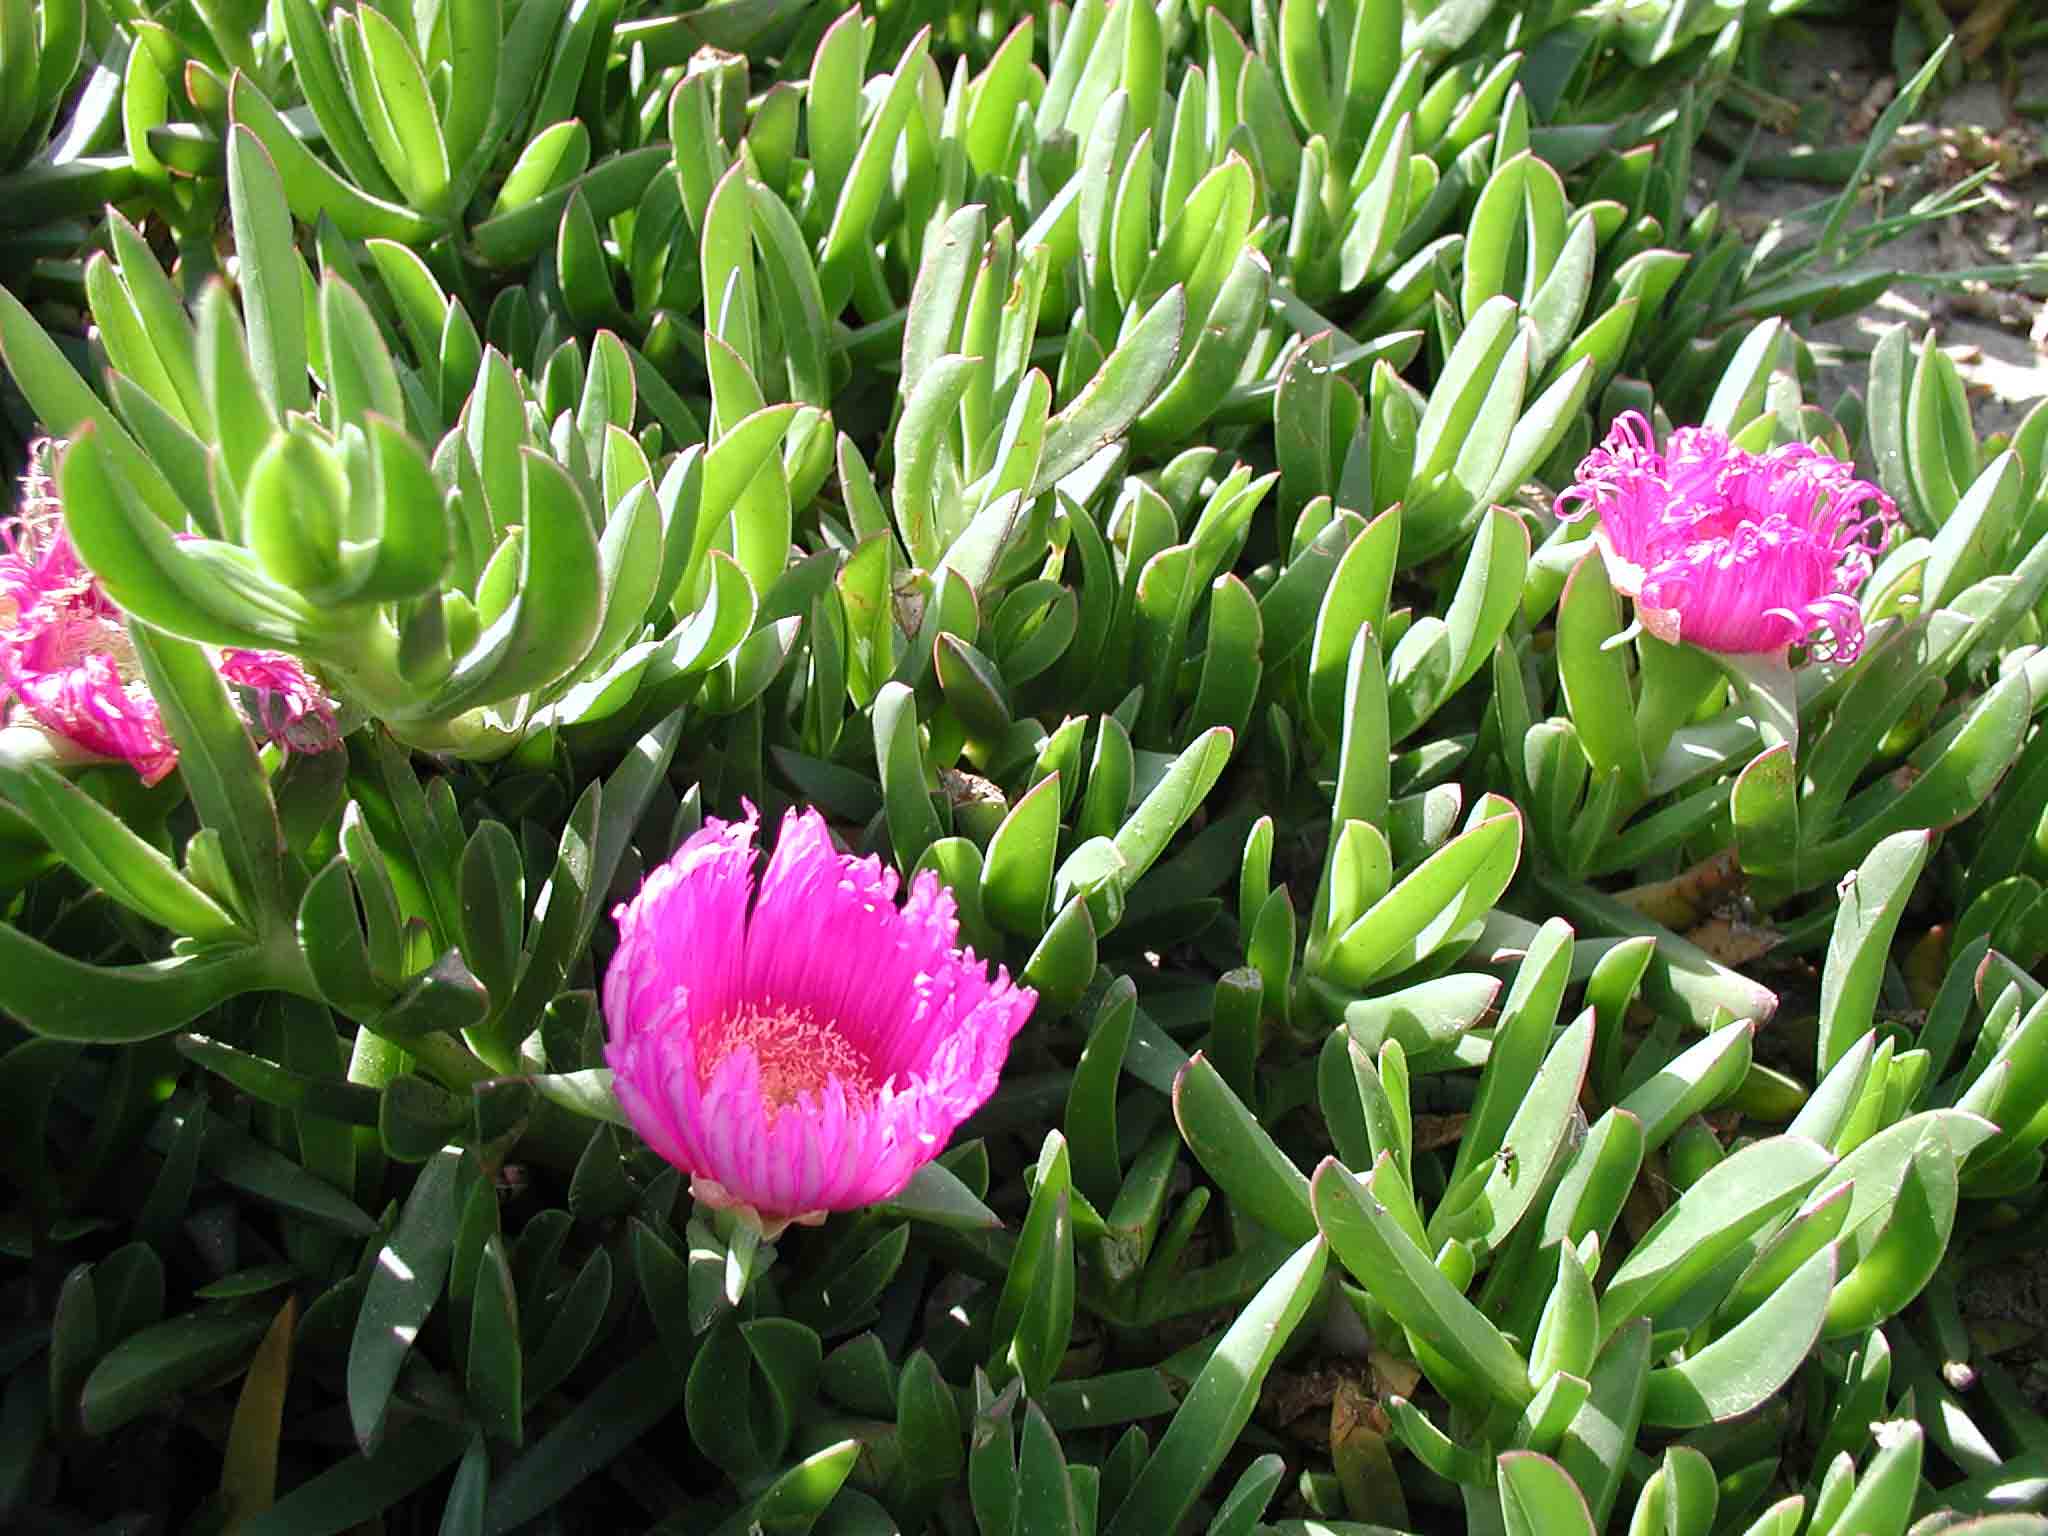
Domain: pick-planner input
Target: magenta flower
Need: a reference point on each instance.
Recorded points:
(1731, 550)
(808, 1049)
(281, 700)
(65, 661)
(68, 670)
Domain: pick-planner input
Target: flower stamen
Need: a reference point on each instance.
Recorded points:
(797, 1055)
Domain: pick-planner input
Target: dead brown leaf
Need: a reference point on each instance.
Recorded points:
(1732, 941)
(1294, 1400)
(1690, 895)
(1433, 1131)
(1394, 1377)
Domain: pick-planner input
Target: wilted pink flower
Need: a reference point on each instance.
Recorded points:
(281, 699)
(807, 1049)
(1731, 550)
(67, 667)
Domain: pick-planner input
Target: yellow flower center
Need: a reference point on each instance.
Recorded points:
(798, 1054)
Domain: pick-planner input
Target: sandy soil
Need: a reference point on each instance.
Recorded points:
(1835, 81)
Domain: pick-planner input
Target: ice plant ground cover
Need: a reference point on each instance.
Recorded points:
(1409, 886)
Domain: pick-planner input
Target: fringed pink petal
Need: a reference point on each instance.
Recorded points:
(827, 938)
(90, 705)
(647, 1080)
(824, 928)
(807, 1152)
(673, 974)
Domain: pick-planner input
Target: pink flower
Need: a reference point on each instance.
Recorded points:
(807, 1049)
(65, 660)
(67, 668)
(281, 699)
(1731, 550)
